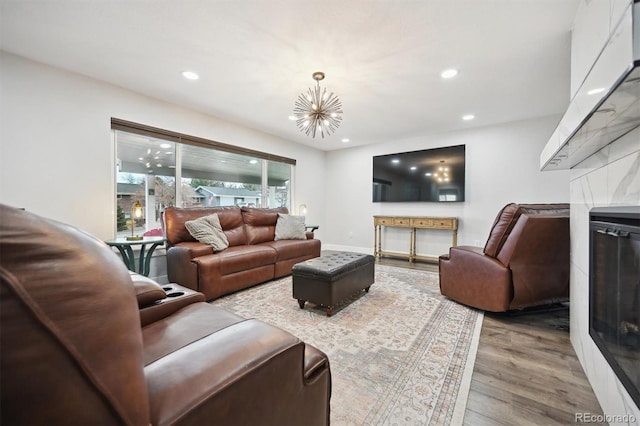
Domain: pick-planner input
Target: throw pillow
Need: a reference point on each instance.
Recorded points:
(289, 227)
(207, 230)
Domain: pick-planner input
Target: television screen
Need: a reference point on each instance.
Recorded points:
(432, 175)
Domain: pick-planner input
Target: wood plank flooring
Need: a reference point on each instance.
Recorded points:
(526, 371)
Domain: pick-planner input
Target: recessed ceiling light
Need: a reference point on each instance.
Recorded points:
(292, 117)
(450, 73)
(427, 174)
(395, 161)
(413, 168)
(468, 117)
(165, 145)
(596, 91)
(345, 140)
(253, 161)
(190, 75)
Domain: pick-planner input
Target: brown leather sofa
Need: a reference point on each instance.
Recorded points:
(252, 257)
(73, 351)
(524, 263)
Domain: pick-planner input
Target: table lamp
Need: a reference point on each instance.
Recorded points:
(136, 213)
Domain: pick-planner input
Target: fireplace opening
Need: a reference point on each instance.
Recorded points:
(614, 287)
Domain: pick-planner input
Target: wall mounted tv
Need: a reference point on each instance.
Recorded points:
(430, 175)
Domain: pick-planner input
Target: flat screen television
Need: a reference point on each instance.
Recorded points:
(429, 175)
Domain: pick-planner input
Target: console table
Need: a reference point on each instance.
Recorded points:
(413, 223)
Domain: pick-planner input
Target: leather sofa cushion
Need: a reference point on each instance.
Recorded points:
(291, 249)
(237, 259)
(230, 219)
(260, 224)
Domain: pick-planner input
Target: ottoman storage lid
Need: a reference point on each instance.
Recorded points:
(331, 267)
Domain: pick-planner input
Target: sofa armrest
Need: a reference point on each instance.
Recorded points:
(247, 373)
(310, 235)
(180, 268)
(469, 276)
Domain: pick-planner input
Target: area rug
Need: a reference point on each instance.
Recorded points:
(400, 354)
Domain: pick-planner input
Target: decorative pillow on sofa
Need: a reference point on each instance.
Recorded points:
(207, 230)
(289, 227)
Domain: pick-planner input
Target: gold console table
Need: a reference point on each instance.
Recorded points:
(413, 223)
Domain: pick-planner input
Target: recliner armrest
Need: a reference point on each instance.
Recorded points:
(147, 290)
(247, 373)
(176, 298)
(469, 276)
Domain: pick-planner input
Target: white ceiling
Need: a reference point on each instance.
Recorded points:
(383, 58)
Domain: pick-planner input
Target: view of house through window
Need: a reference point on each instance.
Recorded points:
(148, 168)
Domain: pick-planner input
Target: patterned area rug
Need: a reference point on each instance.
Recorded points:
(400, 354)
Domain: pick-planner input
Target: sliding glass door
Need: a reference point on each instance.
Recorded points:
(149, 165)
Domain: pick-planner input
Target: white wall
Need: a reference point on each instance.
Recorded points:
(56, 153)
(501, 167)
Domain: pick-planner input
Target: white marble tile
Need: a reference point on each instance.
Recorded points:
(609, 177)
(590, 164)
(623, 180)
(580, 235)
(624, 146)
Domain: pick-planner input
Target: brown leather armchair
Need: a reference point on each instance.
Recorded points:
(73, 350)
(524, 263)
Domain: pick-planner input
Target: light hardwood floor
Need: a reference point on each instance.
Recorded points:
(526, 371)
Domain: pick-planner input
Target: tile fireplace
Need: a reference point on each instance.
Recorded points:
(614, 287)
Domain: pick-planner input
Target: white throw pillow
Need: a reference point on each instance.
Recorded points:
(207, 230)
(289, 227)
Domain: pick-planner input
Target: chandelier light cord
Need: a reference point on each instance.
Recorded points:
(318, 111)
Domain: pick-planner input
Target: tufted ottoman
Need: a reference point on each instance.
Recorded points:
(327, 280)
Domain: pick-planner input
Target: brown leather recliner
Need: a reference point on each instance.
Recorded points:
(73, 351)
(524, 263)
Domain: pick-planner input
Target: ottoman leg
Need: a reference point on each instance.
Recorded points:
(367, 289)
(330, 311)
(301, 303)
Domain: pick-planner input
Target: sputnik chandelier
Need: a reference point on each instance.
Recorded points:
(318, 111)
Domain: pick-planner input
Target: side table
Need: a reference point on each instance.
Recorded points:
(126, 251)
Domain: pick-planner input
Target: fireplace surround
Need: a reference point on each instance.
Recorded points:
(614, 287)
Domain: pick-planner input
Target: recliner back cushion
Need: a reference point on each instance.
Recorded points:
(500, 228)
(70, 341)
(260, 224)
(230, 217)
(507, 218)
